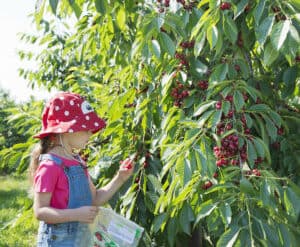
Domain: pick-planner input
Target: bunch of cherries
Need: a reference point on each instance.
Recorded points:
(179, 93)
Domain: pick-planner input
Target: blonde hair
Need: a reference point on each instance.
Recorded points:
(42, 147)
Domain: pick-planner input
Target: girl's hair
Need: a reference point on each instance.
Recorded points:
(41, 148)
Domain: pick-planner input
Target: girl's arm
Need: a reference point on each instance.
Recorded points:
(104, 194)
(44, 212)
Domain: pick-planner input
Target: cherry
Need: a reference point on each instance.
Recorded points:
(237, 67)
(280, 131)
(225, 5)
(98, 236)
(128, 167)
(247, 8)
(207, 185)
(256, 172)
(203, 84)
(218, 105)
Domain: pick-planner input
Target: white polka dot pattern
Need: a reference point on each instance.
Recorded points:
(68, 113)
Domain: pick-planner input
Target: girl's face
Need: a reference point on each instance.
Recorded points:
(77, 140)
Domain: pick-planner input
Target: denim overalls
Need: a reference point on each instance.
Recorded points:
(70, 234)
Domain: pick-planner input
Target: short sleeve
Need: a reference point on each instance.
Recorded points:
(46, 177)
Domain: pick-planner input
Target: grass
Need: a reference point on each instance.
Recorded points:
(18, 227)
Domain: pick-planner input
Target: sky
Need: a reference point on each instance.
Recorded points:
(13, 20)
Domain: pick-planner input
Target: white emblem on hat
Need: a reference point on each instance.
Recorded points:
(86, 107)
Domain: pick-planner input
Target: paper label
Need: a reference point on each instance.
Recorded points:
(119, 231)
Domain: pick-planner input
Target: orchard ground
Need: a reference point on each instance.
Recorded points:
(17, 224)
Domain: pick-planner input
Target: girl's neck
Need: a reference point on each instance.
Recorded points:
(63, 152)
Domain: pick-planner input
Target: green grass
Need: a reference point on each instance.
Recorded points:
(18, 227)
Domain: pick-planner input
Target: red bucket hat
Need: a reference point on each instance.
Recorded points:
(69, 112)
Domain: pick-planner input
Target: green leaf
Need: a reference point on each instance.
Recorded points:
(289, 78)
(205, 209)
(172, 231)
(197, 67)
(264, 29)
(240, 8)
(279, 34)
(229, 237)
(246, 187)
(187, 171)
(101, 6)
(203, 107)
(238, 100)
(158, 221)
(292, 203)
(276, 118)
(226, 213)
(286, 239)
(230, 29)
(77, 10)
(167, 43)
(53, 4)
(258, 11)
(212, 35)
(249, 121)
(219, 73)
(199, 44)
(259, 147)
(184, 219)
(216, 117)
(226, 105)
(270, 54)
(270, 126)
(259, 108)
(155, 183)
(121, 18)
(155, 48)
(251, 153)
(265, 194)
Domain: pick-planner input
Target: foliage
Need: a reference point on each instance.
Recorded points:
(20, 121)
(206, 93)
(10, 133)
(18, 226)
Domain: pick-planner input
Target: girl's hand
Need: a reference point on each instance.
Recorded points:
(126, 168)
(87, 214)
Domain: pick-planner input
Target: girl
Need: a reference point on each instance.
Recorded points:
(65, 199)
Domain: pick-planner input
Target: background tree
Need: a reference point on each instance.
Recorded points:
(12, 134)
(207, 94)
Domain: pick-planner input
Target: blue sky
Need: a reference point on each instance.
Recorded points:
(13, 20)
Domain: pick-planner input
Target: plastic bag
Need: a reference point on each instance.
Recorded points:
(113, 230)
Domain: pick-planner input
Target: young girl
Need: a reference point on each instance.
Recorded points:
(65, 199)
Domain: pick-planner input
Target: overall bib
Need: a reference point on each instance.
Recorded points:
(69, 234)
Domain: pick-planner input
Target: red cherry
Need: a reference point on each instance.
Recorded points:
(225, 5)
(98, 236)
(256, 172)
(207, 185)
(237, 67)
(128, 167)
(218, 105)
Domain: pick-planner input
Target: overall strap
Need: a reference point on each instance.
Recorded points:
(57, 160)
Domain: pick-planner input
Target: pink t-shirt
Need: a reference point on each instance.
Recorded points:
(50, 177)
